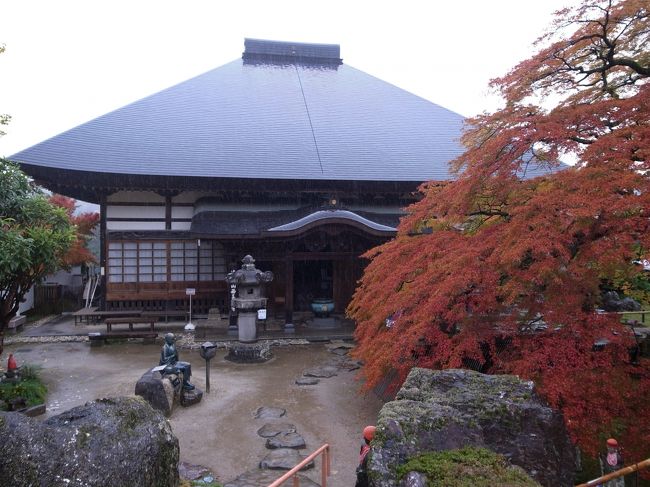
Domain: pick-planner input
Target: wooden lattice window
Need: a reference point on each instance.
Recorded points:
(137, 262)
(213, 263)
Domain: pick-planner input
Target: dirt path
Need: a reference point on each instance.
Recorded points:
(221, 432)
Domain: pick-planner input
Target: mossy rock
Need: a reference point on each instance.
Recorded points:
(467, 467)
(437, 411)
(110, 442)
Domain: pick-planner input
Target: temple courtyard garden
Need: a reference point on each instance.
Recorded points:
(220, 432)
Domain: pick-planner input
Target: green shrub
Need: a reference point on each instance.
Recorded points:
(30, 387)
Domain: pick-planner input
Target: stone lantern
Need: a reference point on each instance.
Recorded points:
(250, 297)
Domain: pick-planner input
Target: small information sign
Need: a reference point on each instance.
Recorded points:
(261, 314)
(190, 291)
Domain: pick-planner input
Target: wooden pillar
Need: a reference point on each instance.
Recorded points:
(103, 250)
(288, 296)
(168, 212)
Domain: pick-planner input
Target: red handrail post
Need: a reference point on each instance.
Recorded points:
(293, 473)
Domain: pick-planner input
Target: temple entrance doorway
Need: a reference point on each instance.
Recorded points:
(312, 279)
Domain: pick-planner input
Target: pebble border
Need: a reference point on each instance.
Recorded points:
(184, 342)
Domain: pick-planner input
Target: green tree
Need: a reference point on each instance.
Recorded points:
(35, 236)
(4, 118)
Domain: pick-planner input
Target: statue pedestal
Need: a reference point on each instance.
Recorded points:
(249, 353)
(247, 326)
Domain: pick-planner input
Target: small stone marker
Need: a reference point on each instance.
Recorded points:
(270, 430)
(286, 440)
(269, 413)
(283, 459)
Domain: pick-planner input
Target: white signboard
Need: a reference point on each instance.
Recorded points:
(190, 291)
(261, 314)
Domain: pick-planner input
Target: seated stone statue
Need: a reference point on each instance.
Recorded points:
(169, 358)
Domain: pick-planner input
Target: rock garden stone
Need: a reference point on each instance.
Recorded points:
(269, 413)
(257, 478)
(162, 392)
(286, 440)
(307, 381)
(270, 430)
(188, 471)
(191, 397)
(446, 410)
(283, 459)
(108, 442)
(324, 372)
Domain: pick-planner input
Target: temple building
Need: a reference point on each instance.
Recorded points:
(287, 154)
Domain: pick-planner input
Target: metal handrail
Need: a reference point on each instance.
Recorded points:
(619, 473)
(325, 471)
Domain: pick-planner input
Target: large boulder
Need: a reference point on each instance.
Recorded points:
(161, 391)
(612, 302)
(107, 442)
(447, 410)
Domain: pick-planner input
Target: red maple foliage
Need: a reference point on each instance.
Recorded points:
(501, 271)
(84, 223)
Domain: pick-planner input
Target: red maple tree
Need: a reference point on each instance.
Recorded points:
(84, 223)
(501, 271)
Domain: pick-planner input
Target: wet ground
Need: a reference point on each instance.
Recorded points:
(220, 432)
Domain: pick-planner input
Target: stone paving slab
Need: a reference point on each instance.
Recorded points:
(283, 459)
(262, 478)
(286, 440)
(265, 412)
(324, 372)
(270, 430)
(307, 381)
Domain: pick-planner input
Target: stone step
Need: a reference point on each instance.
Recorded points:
(263, 478)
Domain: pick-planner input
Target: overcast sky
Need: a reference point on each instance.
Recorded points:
(69, 61)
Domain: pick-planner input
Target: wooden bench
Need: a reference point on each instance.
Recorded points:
(130, 320)
(98, 338)
(92, 315)
(86, 314)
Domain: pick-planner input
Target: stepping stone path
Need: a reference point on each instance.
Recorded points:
(282, 438)
(270, 430)
(286, 440)
(269, 413)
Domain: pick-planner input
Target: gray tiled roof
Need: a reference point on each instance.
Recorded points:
(279, 222)
(269, 121)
